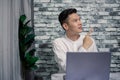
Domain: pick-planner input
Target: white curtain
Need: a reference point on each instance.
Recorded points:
(10, 10)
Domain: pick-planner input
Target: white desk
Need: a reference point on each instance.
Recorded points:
(60, 76)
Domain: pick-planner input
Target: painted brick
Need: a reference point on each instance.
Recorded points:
(66, 1)
(110, 5)
(118, 13)
(113, 65)
(110, 29)
(44, 0)
(110, 41)
(110, 1)
(116, 9)
(116, 53)
(41, 37)
(52, 9)
(118, 1)
(36, 8)
(107, 17)
(102, 21)
(100, 1)
(36, 45)
(103, 13)
(116, 17)
(95, 25)
(40, 25)
(46, 13)
(36, 1)
(103, 49)
(59, 5)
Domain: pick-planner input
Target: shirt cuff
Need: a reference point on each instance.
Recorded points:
(82, 49)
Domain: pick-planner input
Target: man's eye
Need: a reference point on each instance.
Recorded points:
(75, 20)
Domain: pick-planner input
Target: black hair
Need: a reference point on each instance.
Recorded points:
(65, 13)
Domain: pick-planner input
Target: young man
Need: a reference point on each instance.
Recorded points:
(72, 41)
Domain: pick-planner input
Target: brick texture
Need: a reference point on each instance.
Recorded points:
(102, 15)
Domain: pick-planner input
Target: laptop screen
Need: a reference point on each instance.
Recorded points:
(88, 66)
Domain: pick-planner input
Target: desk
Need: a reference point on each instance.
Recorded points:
(60, 76)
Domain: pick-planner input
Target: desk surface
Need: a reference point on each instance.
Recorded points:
(60, 76)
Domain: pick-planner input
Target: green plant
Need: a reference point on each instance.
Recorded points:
(26, 41)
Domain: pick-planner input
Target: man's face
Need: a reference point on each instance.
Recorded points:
(74, 24)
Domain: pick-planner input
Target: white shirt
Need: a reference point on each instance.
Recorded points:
(64, 44)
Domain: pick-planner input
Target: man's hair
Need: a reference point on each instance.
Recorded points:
(65, 13)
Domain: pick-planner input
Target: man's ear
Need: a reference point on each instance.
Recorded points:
(65, 26)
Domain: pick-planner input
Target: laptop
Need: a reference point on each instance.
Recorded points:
(88, 66)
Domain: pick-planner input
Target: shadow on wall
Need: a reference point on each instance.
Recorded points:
(115, 49)
(119, 44)
(47, 64)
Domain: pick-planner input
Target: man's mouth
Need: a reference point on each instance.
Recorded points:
(80, 27)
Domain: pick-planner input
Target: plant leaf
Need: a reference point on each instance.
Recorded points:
(26, 39)
(34, 67)
(29, 38)
(31, 59)
(26, 23)
(31, 52)
(25, 31)
(22, 18)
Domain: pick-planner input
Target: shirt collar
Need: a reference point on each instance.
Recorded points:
(70, 39)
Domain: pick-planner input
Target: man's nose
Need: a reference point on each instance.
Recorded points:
(80, 22)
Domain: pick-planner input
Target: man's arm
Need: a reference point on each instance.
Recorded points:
(60, 55)
(89, 43)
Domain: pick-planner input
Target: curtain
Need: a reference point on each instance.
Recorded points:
(10, 10)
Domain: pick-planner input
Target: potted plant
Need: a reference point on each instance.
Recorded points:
(26, 47)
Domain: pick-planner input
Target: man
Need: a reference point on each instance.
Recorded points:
(72, 41)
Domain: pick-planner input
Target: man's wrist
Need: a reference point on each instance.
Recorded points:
(85, 47)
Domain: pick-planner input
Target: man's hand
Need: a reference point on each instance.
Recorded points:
(87, 42)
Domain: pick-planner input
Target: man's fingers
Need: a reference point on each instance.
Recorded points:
(90, 31)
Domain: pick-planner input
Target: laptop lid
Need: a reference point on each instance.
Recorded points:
(88, 66)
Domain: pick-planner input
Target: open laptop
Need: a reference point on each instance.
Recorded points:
(88, 66)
